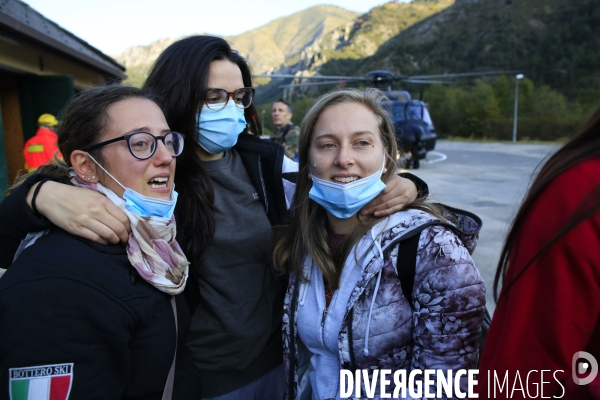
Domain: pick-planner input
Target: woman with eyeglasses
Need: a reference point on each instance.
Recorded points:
(86, 320)
(233, 187)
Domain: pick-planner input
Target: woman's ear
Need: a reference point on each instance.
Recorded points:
(84, 166)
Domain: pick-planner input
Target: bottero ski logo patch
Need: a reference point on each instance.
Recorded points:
(44, 382)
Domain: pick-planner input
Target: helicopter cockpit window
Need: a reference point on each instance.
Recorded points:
(398, 112)
(427, 117)
(395, 109)
(414, 111)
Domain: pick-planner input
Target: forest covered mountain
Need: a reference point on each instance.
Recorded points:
(355, 41)
(556, 43)
(557, 40)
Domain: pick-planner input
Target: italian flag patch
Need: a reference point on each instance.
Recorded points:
(44, 382)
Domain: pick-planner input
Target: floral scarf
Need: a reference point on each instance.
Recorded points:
(151, 248)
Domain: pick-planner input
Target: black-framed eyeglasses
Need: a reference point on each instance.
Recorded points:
(142, 145)
(216, 99)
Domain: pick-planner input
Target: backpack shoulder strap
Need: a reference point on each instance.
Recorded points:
(285, 130)
(407, 264)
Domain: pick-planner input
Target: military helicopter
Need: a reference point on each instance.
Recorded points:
(414, 129)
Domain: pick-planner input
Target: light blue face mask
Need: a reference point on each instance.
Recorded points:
(345, 200)
(218, 131)
(145, 206)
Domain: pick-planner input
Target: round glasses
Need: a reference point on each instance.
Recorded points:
(216, 99)
(142, 145)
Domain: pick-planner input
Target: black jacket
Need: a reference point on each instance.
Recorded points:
(263, 160)
(70, 302)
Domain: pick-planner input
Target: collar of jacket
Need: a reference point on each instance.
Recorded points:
(263, 161)
(387, 233)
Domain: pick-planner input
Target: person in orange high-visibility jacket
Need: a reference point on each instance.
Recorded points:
(40, 149)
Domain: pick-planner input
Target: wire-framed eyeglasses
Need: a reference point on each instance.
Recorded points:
(216, 99)
(142, 145)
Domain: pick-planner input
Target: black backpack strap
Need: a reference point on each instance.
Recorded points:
(407, 264)
(285, 131)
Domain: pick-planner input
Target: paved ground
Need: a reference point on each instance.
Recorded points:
(488, 179)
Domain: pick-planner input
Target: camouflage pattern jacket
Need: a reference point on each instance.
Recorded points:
(439, 330)
(288, 136)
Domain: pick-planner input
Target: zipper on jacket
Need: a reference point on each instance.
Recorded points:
(351, 340)
(323, 326)
(262, 182)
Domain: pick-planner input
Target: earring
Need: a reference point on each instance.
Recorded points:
(89, 179)
(384, 170)
(93, 176)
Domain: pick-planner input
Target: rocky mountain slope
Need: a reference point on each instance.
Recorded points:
(267, 48)
(352, 42)
(369, 31)
(556, 41)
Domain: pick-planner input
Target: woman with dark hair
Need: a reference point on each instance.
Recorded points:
(549, 306)
(233, 188)
(345, 307)
(81, 319)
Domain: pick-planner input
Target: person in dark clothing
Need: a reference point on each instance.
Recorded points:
(233, 188)
(81, 319)
(286, 134)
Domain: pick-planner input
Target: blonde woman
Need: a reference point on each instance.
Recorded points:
(344, 307)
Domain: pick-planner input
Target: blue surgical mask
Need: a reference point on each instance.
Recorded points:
(218, 131)
(343, 201)
(145, 206)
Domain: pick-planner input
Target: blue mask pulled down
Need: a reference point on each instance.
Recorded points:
(343, 201)
(145, 206)
(218, 131)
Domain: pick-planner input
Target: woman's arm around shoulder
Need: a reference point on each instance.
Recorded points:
(79, 211)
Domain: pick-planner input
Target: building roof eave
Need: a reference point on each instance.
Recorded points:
(105, 64)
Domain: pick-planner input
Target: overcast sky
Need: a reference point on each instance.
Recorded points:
(114, 25)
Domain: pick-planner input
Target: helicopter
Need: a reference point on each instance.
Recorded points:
(414, 129)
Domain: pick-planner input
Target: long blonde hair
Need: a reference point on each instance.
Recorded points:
(307, 231)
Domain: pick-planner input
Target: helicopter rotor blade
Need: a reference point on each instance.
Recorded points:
(465, 75)
(318, 83)
(417, 81)
(308, 77)
(424, 81)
